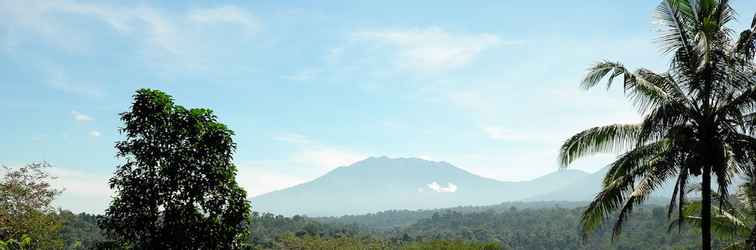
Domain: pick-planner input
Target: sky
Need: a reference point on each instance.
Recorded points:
(489, 86)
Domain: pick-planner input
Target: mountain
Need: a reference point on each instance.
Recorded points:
(381, 183)
(584, 189)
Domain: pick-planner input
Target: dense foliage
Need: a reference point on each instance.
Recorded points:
(493, 227)
(177, 188)
(80, 231)
(307, 242)
(27, 216)
(516, 226)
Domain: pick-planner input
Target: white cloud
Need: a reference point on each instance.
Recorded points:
(20, 18)
(450, 188)
(79, 117)
(169, 40)
(431, 49)
(94, 133)
(59, 80)
(528, 125)
(39, 17)
(162, 32)
(80, 183)
(117, 19)
(225, 15)
(82, 192)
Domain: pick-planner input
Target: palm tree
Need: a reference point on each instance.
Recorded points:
(697, 117)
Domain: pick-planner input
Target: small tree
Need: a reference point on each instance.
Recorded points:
(26, 212)
(177, 187)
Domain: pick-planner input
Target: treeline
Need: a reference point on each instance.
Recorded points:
(396, 218)
(268, 231)
(494, 227)
(510, 226)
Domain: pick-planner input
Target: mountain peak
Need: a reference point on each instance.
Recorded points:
(399, 163)
(386, 158)
(382, 183)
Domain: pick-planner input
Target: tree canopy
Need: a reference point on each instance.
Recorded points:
(26, 212)
(176, 188)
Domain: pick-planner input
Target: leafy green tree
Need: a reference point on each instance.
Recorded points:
(80, 231)
(12, 244)
(177, 187)
(697, 117)
(26, 211)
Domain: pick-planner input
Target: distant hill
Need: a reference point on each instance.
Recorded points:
(583, 189)
(381, 183)
(390, 219)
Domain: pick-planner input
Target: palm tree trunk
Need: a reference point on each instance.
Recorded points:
(706, 208)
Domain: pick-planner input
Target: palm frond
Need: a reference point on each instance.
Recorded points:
(620, 186)
(653, 178)
(628, 162)
(610, 138)
(644, 87)
(746, 44)
(740, 100)
(667, 118)
(674, 15)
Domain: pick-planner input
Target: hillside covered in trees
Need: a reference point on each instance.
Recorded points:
(505, 226)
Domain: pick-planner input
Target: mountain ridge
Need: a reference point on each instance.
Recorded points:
(382, 183)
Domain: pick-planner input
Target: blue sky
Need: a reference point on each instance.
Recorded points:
(490, 86)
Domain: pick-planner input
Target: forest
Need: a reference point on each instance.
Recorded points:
(505, 226)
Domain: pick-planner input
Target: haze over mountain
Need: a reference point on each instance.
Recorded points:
(381, 183)
(587, 187)
(583, 189)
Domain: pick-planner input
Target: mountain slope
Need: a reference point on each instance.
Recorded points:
(378, 184)
(586, 188)
(583, 189)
